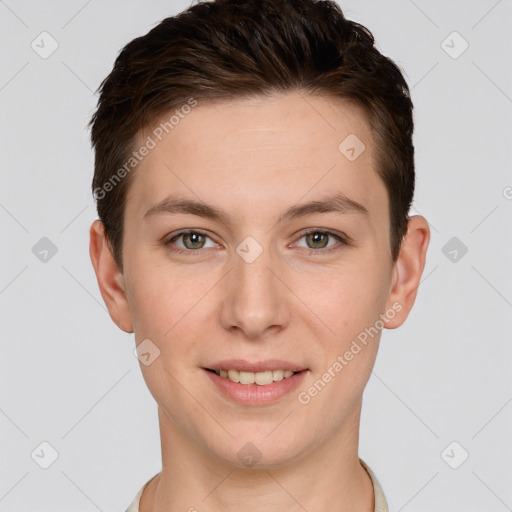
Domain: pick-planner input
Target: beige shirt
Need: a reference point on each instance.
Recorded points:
(380, 500)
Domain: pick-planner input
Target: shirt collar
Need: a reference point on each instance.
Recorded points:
(381, 505)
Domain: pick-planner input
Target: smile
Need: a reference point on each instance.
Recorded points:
(261, 378)
(255, 388)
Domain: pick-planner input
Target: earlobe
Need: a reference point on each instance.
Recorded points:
(408, 270)
(109, 277)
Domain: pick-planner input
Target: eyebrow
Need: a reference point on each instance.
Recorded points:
(338, 203)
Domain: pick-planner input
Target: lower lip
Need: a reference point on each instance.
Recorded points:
(254, 394)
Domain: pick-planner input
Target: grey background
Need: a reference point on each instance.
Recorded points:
(67, 373)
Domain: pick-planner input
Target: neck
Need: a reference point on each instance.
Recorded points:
(194, 479)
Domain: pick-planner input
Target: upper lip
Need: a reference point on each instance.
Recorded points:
(255, 367)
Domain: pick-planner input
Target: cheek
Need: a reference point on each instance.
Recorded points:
(161, 296)
(166, 307)
(351, 307)
(346, 300)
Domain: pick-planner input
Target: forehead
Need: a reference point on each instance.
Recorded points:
(294, 120)
(268, 151)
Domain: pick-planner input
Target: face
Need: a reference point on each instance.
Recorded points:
(261, 277)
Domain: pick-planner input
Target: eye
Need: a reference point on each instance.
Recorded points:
(193, 240)
(319, 240)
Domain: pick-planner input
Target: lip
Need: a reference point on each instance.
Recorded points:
(254, 394)
(255, 367)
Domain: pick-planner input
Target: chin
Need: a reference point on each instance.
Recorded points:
(252, 452)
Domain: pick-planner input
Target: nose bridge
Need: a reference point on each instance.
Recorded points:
(255, 302)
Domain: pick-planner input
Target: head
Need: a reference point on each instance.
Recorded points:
(212, 133)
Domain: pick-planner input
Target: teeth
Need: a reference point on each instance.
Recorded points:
(278, 374)
(234, 375)
(264, 378)
(246, 378)
(260, 378)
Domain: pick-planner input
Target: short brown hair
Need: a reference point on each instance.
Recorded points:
(237, 48)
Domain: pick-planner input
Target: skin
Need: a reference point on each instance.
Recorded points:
(254, 158)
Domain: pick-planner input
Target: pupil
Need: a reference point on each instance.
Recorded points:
(194, 238)
(316, 237)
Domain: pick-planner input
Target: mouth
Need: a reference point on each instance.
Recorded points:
(257, 384)
(262, 378)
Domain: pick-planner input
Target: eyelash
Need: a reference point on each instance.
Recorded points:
(343, 242)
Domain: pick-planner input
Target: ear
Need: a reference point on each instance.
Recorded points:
(408, 270)
(110, 279)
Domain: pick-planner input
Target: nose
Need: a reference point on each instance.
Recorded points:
(256, 301)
